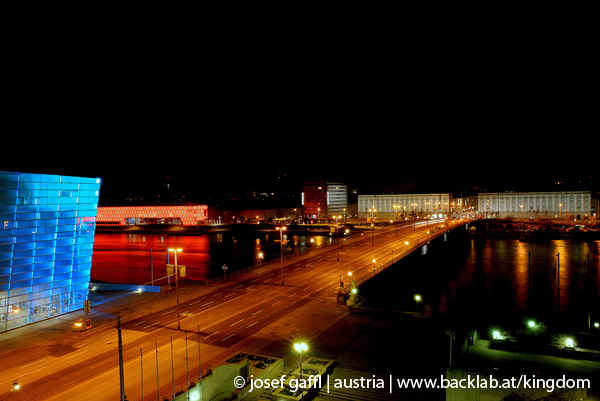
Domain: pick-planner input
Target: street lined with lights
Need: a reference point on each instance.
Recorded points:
(222, 322)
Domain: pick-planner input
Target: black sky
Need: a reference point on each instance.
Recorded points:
(378, 128)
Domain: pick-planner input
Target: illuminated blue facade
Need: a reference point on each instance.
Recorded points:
(47, 225)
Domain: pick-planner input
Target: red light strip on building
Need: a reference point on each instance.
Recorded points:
(189, 215)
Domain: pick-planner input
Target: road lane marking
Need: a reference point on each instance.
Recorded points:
(33, 363)
(255, 280)
(150, 325)
(217, 294)
(227, 337)
(255, 313)
(278, 302)
(208, 303)
(251, 324)
(143, 321)
(233, 293)
(193, 303)
(267, 280)
(233, 324)
(77, 354)
(238, 286)
(166, 313)
(211, 335)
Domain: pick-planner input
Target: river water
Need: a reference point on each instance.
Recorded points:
(127, 258)
(467, 282)
(460, 281)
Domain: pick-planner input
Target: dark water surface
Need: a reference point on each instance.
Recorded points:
(462, 281)
(125, 258)
(469, 283)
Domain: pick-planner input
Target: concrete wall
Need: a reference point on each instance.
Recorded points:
(220, 384)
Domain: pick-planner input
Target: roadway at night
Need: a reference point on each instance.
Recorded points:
(220, 318)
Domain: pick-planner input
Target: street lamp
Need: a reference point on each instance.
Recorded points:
(417, 298)
(260, 258)
(175, 270)
(337, 234)
(301, 347)
(282, 242)
(396, 208)
(373, 233)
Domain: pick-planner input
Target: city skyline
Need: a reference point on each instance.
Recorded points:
(212, 138)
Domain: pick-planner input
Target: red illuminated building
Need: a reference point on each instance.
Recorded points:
(182, 214)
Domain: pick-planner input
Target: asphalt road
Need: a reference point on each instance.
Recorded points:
(211, 324)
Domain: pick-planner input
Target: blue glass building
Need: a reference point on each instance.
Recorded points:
(47, 225)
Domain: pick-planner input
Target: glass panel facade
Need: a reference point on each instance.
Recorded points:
(47, 226)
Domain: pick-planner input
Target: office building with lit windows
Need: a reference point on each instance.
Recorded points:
(567, 204)
(185, 214)
(390, 206)
(47, 226)
(324, 199)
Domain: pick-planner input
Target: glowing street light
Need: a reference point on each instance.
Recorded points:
(176, 272)
(337, 234)
(301, 347)
(282, 242)
(417, 298)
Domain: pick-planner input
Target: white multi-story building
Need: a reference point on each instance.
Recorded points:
(323, 199)
(388, 206)
(537, 204)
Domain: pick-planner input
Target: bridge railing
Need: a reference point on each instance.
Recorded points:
(387, 264)
(277, 260)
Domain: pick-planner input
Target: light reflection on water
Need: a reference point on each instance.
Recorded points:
(125, 258)
(465, 280)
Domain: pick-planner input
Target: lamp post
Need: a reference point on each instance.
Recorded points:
(282, 242)
(260, 258)
(373, 233)
(396, 208)
(417, 298)
(337, 234)
(301, 347)
(176, 272)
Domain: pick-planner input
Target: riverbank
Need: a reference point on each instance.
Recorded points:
(579, 236)
(161, 229)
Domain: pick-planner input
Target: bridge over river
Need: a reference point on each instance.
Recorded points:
(219, 316)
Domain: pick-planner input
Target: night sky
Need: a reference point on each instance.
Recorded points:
(378, 128)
